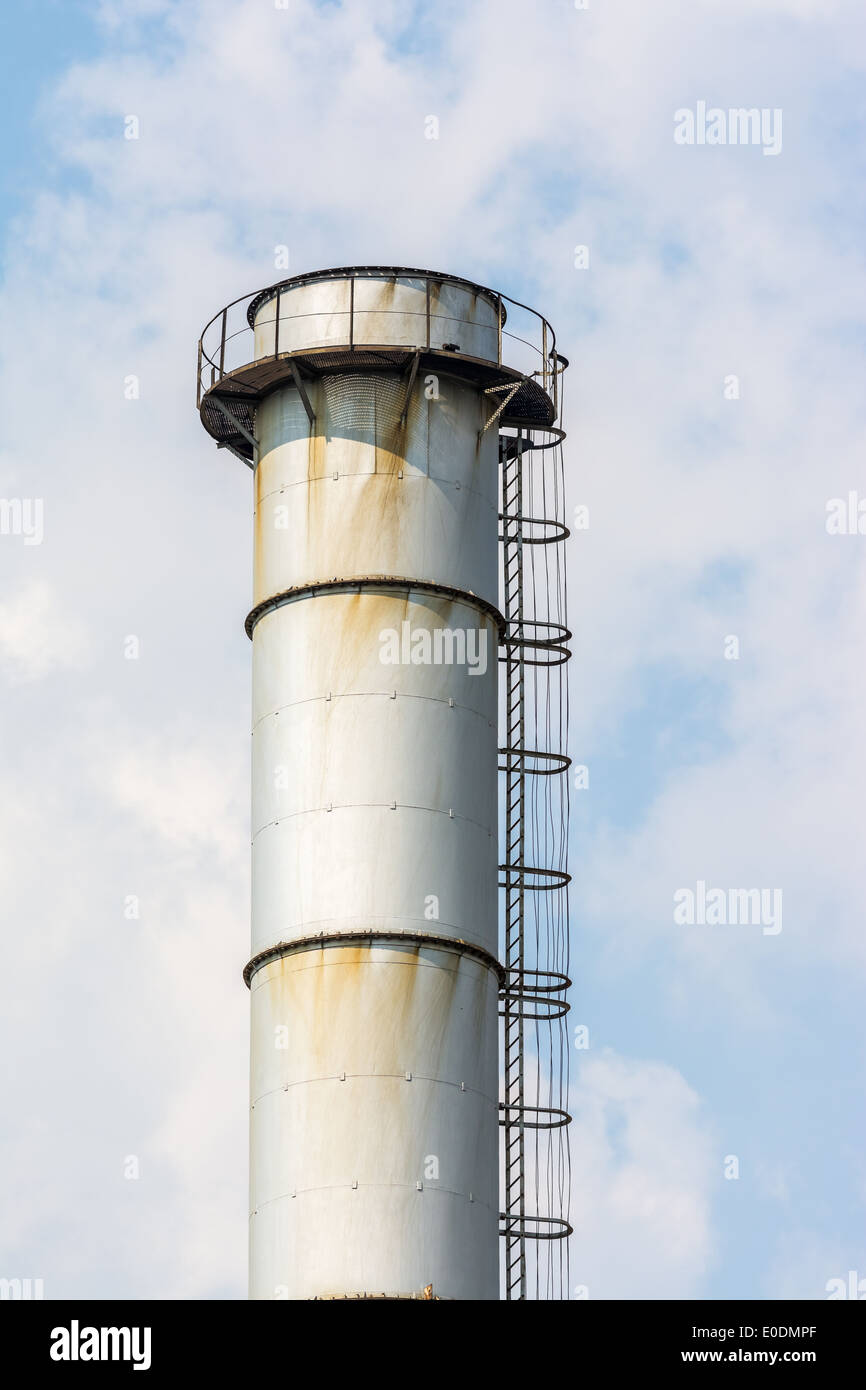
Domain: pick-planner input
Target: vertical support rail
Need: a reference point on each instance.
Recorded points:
(223, 344)
(514, 1198)
(427, 306)
(352, 314)
(277, 326)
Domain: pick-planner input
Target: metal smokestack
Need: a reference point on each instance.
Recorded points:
(364, 399)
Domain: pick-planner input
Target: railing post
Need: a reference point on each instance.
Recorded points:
(427, 306)
(544, 352)
(499, 331)
(198, 378)
(223, 343)
(352, 314)
(277, 328)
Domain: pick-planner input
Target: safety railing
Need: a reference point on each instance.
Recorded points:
(525, 341)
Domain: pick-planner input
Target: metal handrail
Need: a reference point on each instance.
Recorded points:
(211, 355)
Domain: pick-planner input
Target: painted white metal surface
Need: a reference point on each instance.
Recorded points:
(366, 495)
(374, 1125)
(388, 310)
(372, 786)
(375, 811)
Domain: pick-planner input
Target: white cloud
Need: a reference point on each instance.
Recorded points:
(646, 1172)
(305, 126)
(39, 634)
(187, 796)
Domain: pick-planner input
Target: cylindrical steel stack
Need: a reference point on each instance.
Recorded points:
(373, 973)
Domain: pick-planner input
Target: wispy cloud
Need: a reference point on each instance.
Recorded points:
(305, 126)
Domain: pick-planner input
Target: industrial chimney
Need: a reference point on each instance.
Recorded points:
(372, 405)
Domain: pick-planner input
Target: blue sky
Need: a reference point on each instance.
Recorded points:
(38, 43)
(707, 518)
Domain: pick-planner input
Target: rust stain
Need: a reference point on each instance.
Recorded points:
(370, 517)
(366, 1002)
